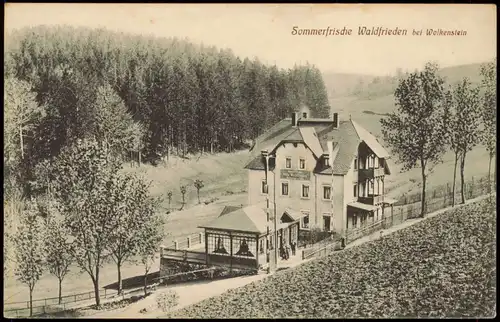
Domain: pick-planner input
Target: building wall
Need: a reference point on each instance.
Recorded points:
(338, 204)
(325, 207)
(294, 199)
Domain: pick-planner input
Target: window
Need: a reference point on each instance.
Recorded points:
(327, 192)
(302, 164)
(355, 163)
(375, 162)
(305, 191)
(288, 163)
(305, 220)
(355, 190)
(264, 188)
(284, 188)
(261, 246)
(327, 162)
(381, 162)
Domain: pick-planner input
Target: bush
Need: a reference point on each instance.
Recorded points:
(167, 300)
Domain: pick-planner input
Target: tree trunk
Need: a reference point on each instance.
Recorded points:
(60, 291)
(489, 174)
(495, 175)
(95, 281)
(198, 193)
(140, 158)
(462, 166)
(422, 211)
(146, 284)
(22, 141)
(31, 301)
(454, 180)
(119, 270)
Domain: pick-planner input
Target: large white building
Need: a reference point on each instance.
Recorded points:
(331, 171)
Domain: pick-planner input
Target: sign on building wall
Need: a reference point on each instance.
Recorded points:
(295, 174)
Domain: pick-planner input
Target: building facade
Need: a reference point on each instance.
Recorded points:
(331, 171)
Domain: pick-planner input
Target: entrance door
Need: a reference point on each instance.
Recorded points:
(326, 223)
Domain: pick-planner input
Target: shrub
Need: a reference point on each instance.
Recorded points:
(167, 300)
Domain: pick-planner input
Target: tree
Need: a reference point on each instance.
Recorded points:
(113, 125)
(198, 185)
(465, 129)
(416, 131)
(30, 249)
(135, 213)
(183, 192)
(489, 114)
(452, 138)
(151, 236)
(85, 186)
(169, 196)
(59, 252)
(21, 112)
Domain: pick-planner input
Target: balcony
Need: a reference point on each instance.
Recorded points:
(365, 174)
(371, 199)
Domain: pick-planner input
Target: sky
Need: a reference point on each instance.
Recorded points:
(265, 30)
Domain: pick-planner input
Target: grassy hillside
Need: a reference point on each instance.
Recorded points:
(340, 85)
(450, 273)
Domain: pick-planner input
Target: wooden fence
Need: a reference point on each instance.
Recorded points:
(408, 209)
(188, 242)
(51, 304)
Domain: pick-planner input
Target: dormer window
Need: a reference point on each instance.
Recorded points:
(326, 160)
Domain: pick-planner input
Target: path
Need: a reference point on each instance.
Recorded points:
(194, 292)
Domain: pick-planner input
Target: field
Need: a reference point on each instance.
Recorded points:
(441, 267)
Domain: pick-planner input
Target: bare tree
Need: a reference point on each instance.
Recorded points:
(198, 185)
(183, 192)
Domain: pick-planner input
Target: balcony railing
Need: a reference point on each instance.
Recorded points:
(372, 199)
(370, 173)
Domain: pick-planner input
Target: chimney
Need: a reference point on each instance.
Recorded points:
(304, 115)
(336, 120)
(295, 118)
(264, 153)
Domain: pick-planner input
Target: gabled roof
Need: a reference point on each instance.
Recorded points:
(311, 140)
(371, 141)
(315, 133)
(251, 219)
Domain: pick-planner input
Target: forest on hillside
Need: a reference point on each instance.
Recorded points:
(146, 97)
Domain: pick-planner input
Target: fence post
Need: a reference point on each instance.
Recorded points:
(189, 242)
(176, 247)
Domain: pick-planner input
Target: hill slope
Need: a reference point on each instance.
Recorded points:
(451, 273)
